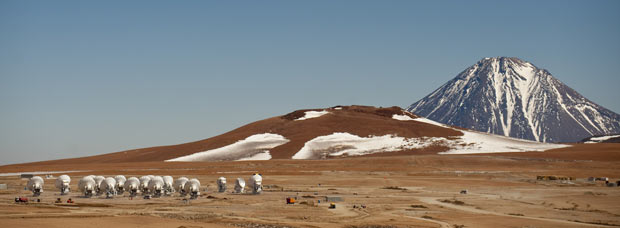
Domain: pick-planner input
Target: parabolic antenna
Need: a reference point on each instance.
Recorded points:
(132, 185)
(179, 185)
(239, 185)
(256, 183)
(109, 187)
(35, 184)
(192, 187)
(87, 186)
(62, 184)
(221, 184)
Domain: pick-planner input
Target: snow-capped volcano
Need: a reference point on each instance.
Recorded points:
(512, 97)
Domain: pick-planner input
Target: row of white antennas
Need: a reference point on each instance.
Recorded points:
(146, 185)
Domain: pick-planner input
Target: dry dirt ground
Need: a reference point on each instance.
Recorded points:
(397, 191)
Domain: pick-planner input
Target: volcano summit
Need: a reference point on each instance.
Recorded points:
(512, 97)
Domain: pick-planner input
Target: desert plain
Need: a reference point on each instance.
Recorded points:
(377, 191)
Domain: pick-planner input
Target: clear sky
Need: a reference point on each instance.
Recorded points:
(89, 77)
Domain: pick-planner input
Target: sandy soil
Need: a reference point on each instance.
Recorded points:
(400, 191)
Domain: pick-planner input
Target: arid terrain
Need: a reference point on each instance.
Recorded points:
(396, 191)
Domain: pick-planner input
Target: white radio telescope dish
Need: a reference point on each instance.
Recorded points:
(156, 186)
(192, 187)
(35, 184)
(221, 184)
(239, 185)
(62, 184)
(132, 185)
(120, 184)
(109, 187)
(179, 185)
(144, 184)
(87, 186)
(168, 185)
(256, 183)
(98, 181)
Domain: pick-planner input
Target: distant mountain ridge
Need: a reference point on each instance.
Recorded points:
(512, 97)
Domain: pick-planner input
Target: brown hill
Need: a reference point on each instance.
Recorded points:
(357, 120)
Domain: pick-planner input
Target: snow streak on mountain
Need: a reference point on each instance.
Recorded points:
(512, 97)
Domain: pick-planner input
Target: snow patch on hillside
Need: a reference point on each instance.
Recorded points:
(424, 120)
(402, 117)
(475, 143)
(601, 138)
(312, 114)
(345, 144)
(255, 147)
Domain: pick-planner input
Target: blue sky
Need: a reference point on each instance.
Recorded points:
(89, 77)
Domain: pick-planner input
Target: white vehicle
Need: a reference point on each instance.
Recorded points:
(98, 181)
(62, 184)
(35, 184)
(120, 184)
(239, 185)
(192, 187)
(256, 183)
(221, 184)
(168, 181)
(179, 185)
(87, 186)
(144, 184)
(132, 185)
(109, 187)
(156, 186)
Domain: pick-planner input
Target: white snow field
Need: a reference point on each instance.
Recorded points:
(424, 120)
(255, 147)
(342, 143)
(477, 142)
(402, 117)
(601, 138)
(312, 114)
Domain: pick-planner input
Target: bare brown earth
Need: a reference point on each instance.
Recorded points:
(398, 191)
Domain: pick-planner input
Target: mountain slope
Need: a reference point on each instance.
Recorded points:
(512, 97)
(323, 134)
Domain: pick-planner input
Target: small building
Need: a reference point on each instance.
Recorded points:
(333, 199)
(26, 176)
(612, 184)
